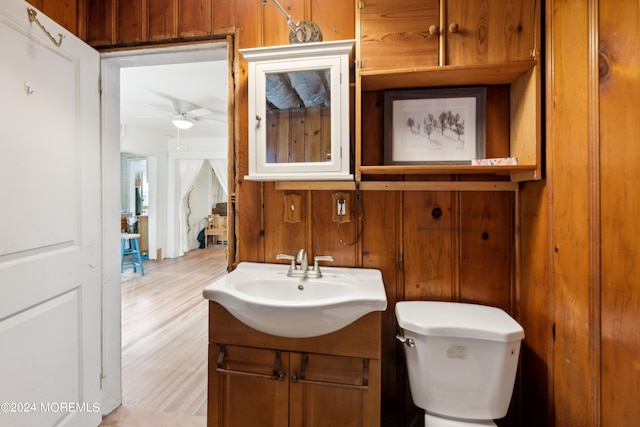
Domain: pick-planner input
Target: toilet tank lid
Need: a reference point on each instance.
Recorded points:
(460, 320)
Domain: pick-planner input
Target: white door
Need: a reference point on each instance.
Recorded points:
(50, 224)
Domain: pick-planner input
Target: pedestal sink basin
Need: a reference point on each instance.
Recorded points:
(261, 296)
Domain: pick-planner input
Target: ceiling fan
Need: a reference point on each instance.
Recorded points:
(184, 113)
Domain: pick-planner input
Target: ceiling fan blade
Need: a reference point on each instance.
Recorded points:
(183, 106)
(199, 112)
(213, 119)
(153, 116)
(167, 111)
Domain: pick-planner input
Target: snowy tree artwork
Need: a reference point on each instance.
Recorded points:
(434, 125)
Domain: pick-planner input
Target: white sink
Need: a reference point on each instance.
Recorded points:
(261, 296)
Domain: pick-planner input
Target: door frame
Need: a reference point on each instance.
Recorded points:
(111, 63)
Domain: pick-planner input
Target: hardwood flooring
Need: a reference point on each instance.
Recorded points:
(164, 341)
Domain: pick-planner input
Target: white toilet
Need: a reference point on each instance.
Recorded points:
(461, 360)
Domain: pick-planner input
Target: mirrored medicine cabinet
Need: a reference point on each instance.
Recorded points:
(299, 111)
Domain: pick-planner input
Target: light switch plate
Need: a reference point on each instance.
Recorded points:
(292, 207)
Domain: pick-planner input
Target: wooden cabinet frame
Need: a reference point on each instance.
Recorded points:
(521, 76)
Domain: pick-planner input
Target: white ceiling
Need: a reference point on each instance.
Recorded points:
(149, 83)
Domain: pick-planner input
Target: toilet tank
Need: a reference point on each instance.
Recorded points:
(465, 357)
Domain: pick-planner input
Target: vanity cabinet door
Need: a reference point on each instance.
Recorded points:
(395, 34)
(328, 391)
(247, 387)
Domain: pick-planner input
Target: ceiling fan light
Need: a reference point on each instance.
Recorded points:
(182, 122)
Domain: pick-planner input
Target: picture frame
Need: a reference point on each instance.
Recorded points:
(434, 126)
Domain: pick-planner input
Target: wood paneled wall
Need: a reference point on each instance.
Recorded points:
(594, 78)
(118, 23)
(428, 245)
(569, 241)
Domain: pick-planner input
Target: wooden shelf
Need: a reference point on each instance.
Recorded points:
(483, 74)
(443, 169)
(523, 79)
(400, 185)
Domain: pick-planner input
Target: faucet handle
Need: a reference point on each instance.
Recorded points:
(320, 258)
(290, 258)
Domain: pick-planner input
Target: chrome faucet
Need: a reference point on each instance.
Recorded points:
(302, 260)
(300, 264)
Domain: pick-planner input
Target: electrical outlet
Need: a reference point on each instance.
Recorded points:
(341, 207)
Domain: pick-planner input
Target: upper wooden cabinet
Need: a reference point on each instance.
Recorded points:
(451, 43)
(425, 33)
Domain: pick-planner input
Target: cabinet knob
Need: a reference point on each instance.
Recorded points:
(453, 27)
(434, 30)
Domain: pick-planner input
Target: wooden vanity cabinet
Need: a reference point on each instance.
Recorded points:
(260, 379)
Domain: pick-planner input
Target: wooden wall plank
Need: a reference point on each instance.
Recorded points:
(132, 21)
(249, 209)
(276, 32)
(381, 250)
(335, 18)
(428, 245)
(297, 151)
(619, 88)
(196, 19)
(569, 215)
(312, 133)
(224, 16)
(101, 22)
(64, 13)
(486, 248)
(533, 306)
(163, 20)
(283, 136)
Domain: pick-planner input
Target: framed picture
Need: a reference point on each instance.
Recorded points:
(434, 126)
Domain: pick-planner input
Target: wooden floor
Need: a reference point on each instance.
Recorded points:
(164, 341)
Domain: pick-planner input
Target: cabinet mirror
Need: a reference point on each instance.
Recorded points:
(299, 111)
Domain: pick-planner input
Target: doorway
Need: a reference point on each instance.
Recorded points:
(148, 131)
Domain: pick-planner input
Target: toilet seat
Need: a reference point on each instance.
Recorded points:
(438, 421)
